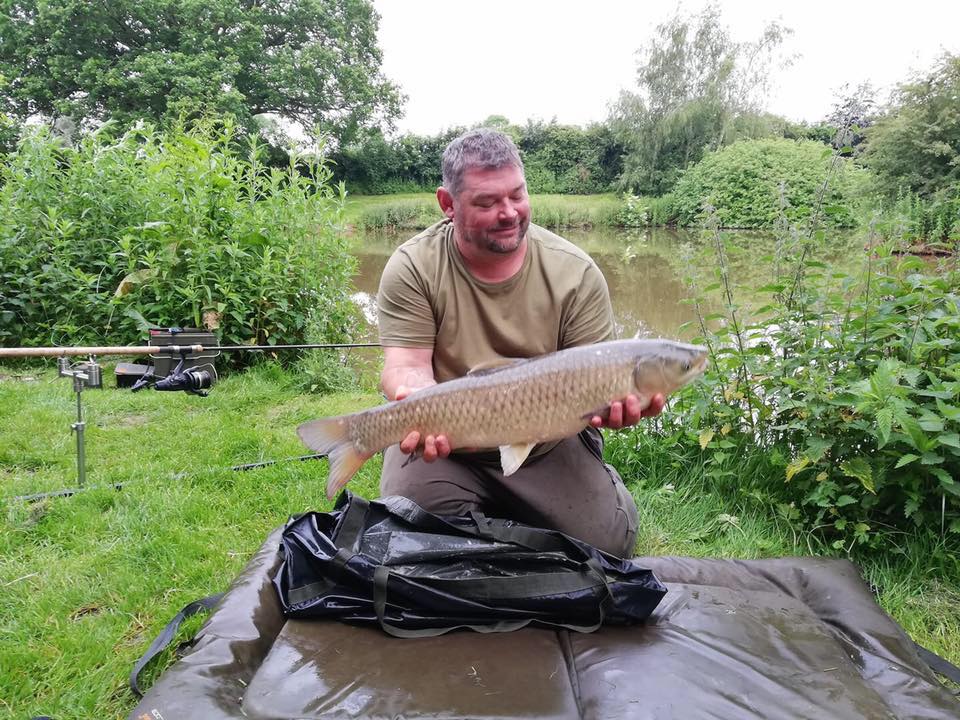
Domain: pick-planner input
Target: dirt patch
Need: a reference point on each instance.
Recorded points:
(82, 612)
(17, 378)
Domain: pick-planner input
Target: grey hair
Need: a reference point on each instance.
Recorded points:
(483, 148)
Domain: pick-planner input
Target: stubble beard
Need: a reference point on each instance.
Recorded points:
(500, 246)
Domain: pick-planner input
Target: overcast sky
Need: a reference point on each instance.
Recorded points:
(459, 61)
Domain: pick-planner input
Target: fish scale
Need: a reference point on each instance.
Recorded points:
(530, 401)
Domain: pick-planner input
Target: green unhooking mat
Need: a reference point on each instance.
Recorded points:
(774, 639)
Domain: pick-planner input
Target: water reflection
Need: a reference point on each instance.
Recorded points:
(644, 269)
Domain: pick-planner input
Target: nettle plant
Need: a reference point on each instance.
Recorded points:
(836, 396)
(187, 227)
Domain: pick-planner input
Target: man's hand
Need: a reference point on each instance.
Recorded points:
(433, 446)
(628, 412)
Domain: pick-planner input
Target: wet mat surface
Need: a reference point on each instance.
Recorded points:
(775, 639)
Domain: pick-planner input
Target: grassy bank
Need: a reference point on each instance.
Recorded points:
(411, 211)
(87, 581)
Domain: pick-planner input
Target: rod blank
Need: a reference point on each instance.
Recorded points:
(23, 352)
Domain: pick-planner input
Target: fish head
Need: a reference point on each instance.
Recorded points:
(665, 366)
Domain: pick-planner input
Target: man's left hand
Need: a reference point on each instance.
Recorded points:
(628, 411)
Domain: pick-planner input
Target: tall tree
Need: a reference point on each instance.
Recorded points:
(315, 62)
(915, 144)
(693, 83)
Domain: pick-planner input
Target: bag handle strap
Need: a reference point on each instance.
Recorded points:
(351, 526)
(519, 535)
(166, 637)
(408, 510)
(939, 665)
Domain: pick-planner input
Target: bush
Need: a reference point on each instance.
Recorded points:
(663, 210)
(932, 219)
(848, 385)
(646, 211)
(185, 228)
(749, 182)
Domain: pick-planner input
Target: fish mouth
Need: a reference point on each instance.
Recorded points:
(700, 364)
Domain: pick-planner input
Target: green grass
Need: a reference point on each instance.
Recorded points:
(403, 210)
(418, 210)
(86, 582)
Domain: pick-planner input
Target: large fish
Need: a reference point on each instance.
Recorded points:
(513, 407)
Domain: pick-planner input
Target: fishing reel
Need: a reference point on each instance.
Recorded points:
(194, 380)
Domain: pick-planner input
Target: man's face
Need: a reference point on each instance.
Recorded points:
(492, 210)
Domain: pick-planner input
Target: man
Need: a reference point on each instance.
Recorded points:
(485, 285)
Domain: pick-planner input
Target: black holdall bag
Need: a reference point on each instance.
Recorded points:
(391, 563)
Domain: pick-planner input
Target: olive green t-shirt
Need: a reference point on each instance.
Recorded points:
(428, 299)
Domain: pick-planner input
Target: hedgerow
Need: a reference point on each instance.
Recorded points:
(186, 227)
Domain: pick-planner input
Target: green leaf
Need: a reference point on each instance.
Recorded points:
(142, 324)
(931, 424)
(884, 424)
(845, 500)
(950, 412)
(905, 460)
(951, 439)
(915, 434)
(133, 279)
(795, 466)
(816, 447)
(860, 469)
(911, 375)
(946, 482)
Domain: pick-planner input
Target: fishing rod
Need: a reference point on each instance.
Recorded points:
(23, 352)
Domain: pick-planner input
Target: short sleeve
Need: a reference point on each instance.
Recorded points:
(404, 312)
(589, 318)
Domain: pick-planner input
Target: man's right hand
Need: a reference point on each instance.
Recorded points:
(431, 446)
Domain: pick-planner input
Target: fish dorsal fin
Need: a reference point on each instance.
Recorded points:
(493, 366)
(512, 457)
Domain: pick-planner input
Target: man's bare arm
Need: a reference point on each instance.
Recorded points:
(409, 368)
(406, 370)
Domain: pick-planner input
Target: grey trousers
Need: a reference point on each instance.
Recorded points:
(569, 489)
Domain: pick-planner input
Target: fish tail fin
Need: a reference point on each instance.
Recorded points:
(330, 436)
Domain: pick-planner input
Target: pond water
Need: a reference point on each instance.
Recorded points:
(644, 269)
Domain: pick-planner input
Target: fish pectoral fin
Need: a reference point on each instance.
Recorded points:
(512, 457)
